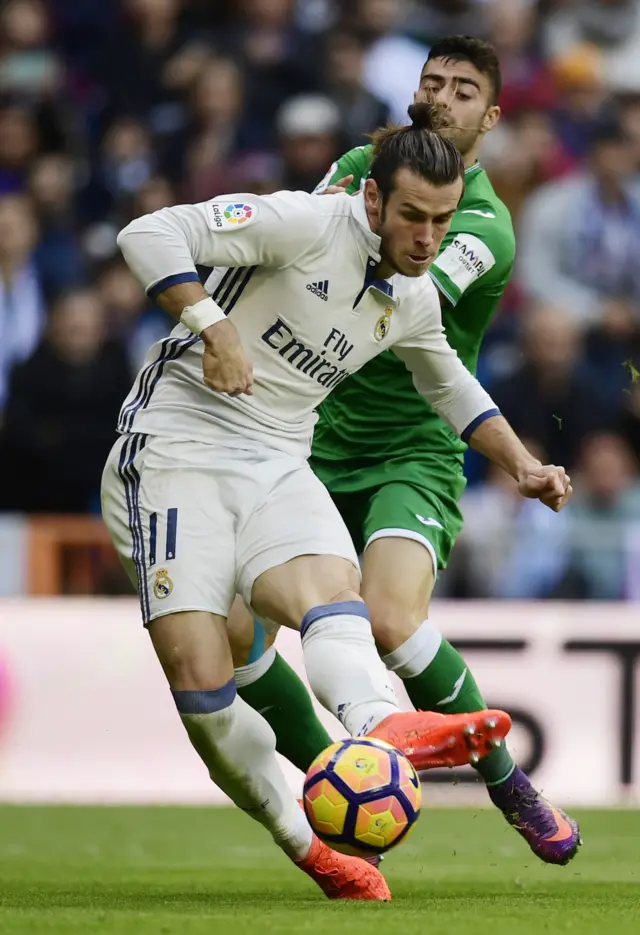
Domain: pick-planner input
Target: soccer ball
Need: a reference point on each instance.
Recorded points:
(362, 796)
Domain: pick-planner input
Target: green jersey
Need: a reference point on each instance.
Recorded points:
(377, 413)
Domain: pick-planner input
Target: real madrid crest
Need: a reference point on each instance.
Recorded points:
(383, 324)
(163, 585)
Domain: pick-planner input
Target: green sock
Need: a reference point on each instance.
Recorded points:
(283, 700)
(448, 687)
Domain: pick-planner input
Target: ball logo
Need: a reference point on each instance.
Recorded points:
(163, 585)
(238, 213)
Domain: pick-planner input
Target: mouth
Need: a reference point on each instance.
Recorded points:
(419, 259)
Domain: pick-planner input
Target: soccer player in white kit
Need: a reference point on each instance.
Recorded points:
(208, 492)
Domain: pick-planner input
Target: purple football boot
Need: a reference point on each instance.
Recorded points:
(549, 832)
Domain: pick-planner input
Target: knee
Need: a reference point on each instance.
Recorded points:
(392, 622)
(188, 671)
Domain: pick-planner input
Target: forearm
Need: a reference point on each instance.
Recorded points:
(496, 440)
(176, 298)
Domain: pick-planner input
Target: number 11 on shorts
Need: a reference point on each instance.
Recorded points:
(172, 532)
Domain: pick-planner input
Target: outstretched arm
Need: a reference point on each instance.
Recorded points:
(458, 398)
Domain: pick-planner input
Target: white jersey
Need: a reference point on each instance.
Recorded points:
(294, 272)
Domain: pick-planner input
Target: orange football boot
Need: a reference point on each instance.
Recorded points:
(342, 877)
(431, 741)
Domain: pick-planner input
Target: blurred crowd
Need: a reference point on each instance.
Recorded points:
(111, 110)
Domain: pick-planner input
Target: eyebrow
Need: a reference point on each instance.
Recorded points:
(460, 79)
(418, 210)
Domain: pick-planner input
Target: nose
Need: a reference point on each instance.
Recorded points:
(424, 235)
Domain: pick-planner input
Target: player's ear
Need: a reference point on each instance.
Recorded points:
(490, 119)
(373, 202)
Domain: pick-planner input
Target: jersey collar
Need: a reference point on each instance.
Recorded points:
(370, 240)
(472, 170)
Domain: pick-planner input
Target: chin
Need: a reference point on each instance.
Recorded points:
(414, 272)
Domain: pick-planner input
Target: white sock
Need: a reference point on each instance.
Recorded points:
(239, 749)
(247, 675)
(343, 666)
(416, 653)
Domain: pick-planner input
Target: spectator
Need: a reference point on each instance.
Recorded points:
(612, 25)
(126, 162)
(360, 111)
(530, 154)
(630, 122)
(58, 256)
(580, 237)
(604, 521)
(527, 83)
(139, 67)
(436, 18)
(278, 60)
(394, 61)
(18, 145)
(22, 310)
(579, 78)
(130, 317)
(28, 65)
(551, 398)
(61, 411)
(217, 103)
(308, 128)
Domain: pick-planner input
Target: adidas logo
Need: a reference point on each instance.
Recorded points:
(321, 289)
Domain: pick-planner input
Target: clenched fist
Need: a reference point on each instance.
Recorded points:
(548, 483)
(225, 366)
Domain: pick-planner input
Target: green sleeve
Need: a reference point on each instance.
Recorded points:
(472, 256)
(356, 162)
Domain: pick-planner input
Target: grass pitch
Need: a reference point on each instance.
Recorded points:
(171, 871)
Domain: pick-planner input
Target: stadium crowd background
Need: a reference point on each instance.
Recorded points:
(111, 110)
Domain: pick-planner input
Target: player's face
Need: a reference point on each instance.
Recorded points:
(466, 95)
(413, 221)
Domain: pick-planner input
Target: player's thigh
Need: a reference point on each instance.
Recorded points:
(405, 533)
(170, 527)
(193, 650)
(295, 552)
(349, 484)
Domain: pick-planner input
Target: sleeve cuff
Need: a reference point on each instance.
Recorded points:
(470, 429)
(154, 291)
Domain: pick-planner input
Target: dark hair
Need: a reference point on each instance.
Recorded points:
(479, 53)
(418, 147)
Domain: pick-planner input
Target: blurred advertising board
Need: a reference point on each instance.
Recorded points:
(85, 715)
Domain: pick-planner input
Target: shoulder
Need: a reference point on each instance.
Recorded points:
(288, 213)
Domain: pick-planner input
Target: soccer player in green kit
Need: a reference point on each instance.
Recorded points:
(395, 470)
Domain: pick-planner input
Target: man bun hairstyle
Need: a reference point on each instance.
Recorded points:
(418, 147)
(477, 52)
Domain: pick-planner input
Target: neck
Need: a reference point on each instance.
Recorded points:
(470, 158)
(384, 270)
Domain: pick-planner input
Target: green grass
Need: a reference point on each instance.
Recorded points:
(157, 871)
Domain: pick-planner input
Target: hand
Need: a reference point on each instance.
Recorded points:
(340, 186)
(225, 365)
(546, 482)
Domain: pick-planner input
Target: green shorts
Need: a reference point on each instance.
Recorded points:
(408, 499)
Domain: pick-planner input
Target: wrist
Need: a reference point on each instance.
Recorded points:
(528, 465)
(202, 316)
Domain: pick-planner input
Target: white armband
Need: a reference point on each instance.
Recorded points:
(202, 315)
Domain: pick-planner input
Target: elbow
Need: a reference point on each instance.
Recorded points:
(125, 236)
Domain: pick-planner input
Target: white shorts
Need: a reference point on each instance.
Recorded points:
(195, 523)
